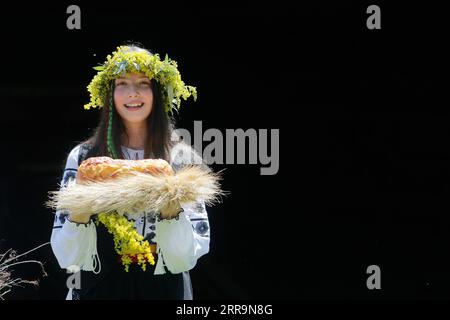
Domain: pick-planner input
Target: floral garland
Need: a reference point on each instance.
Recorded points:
(123, 60)
(128, 243)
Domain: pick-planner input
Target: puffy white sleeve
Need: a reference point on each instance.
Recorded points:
(73, 244)
(182, 242)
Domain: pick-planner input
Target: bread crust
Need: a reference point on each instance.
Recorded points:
(97, 169)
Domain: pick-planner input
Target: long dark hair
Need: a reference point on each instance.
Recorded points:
(159, 126)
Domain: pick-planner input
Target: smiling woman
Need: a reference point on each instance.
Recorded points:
(137, 93)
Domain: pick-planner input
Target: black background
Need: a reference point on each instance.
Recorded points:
(364, 132)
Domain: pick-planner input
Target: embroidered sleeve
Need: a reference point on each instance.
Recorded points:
(73, 243)
(182, 242)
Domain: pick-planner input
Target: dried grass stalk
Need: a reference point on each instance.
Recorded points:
(10, 259)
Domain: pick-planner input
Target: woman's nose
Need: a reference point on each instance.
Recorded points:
(133, 93)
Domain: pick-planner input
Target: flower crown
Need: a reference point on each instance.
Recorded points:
(123, 60)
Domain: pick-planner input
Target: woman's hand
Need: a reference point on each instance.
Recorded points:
(80, 218)
(171, 210)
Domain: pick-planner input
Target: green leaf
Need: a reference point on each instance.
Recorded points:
(99, 68)
(121, 67)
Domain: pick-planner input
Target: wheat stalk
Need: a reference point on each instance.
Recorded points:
(138, 192)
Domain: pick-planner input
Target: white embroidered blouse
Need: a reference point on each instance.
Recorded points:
(180, 243)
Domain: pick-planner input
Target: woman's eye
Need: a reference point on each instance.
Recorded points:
(145, 83)
(120, 83)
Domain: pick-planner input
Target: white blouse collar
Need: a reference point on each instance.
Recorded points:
(133, 154)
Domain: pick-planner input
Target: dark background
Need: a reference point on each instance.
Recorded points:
(364, 131)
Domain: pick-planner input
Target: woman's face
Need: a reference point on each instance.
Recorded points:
(133, 97)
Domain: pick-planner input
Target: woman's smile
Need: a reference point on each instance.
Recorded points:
(134, 106)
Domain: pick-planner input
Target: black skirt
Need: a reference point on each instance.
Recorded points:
(113, 282)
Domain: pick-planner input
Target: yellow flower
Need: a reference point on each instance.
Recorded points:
(128, 242)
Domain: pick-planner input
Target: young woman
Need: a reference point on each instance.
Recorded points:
(137, 92)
